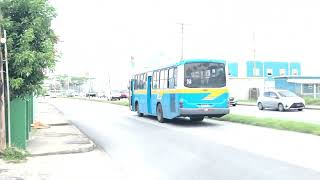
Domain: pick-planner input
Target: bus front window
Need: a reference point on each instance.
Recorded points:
(204, 75)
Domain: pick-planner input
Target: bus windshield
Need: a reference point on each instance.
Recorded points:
(204, 75)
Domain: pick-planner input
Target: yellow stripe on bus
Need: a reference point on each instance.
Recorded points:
(214, 92)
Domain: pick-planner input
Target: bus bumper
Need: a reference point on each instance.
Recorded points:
(204, 111)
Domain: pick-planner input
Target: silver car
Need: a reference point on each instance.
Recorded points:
(281, 100)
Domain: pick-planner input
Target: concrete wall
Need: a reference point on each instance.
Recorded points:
(239, 87)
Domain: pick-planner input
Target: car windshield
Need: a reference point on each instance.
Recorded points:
(287, 94)
(204, 75)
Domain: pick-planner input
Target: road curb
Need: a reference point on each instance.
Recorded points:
(90, 148)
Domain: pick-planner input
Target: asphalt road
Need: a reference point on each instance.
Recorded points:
(307, 115)
(146, 149)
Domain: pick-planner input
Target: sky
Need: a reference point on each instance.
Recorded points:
(98, 37)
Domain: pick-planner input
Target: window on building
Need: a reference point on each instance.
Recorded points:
(269, 72)
(282, 72)
(294, 72)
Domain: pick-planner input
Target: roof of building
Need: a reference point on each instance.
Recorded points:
(301, 79)
(297, 77)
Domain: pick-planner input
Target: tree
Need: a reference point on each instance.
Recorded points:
(31, 43)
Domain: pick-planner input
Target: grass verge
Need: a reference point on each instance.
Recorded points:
(281, 124)
(247, 101)
(311, 101)
(122, 102)
(14, 155)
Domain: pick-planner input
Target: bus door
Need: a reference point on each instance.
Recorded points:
(131, 94)
(149, 94)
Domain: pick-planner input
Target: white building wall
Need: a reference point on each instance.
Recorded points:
(239, 87)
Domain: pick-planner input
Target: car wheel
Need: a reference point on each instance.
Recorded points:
(233, 105)
(160, 114)
(280, 107)
(138, 111)
(197, 118)
(260, 106)
(300, 109)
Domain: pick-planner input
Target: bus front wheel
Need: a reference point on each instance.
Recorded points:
(160, 114)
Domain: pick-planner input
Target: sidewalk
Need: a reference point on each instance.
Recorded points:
(254, 104)
(60, 152)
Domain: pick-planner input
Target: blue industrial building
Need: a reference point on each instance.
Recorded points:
(266, 69)
(249, 76)
(302, 85)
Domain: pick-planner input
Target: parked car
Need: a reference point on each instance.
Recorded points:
(91, 94)
(101, 95)
(281, 100)
(233, 101)
(114, 95)
(124, 94)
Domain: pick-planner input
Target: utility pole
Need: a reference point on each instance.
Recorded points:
(4, 42)
(182, 33)
(2, 102)
(254, 55)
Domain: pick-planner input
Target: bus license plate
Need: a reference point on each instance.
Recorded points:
(206, 110)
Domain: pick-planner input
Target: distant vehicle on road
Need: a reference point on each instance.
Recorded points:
(91, 94)
(114, 95)
(124, 94)
(281, 100)
(101, 95)
(233, 101)
(190, 88)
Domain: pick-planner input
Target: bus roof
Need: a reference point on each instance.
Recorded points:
(185, 61)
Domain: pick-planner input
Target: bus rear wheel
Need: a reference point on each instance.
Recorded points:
(160, 114)
(138, 111)
(198, 118)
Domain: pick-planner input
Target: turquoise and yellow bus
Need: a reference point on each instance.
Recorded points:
(190, 88)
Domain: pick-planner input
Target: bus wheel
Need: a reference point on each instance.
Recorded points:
(138, 110)
(160, 113)
(199, 118)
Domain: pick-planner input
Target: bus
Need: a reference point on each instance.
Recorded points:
(192, 88)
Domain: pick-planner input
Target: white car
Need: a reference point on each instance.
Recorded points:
(281, 100)
(113, 95)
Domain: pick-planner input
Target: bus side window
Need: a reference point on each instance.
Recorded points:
(171, 79)
(175, 74)
(155, 80)
(145, 80)
(140, 81)
(136, 82)
(162, 79)
(165, 80)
